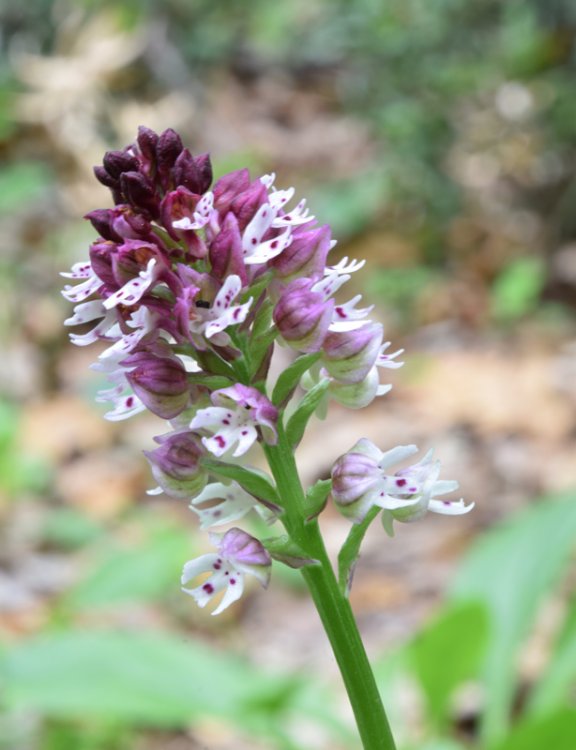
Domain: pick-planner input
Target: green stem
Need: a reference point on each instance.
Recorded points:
(333, 607)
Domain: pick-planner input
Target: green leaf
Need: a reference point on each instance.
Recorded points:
(254, 481)
(510, 570)
(448, 652)
(150, 678)
(289, 379)
(307, 406)
(559, 680)
(286, 551)
(316, 497)
(557, 732)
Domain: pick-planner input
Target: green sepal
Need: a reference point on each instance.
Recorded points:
(256, 289)
(348, 555)
(213, 382)
(286, 551)
(260, 348)
(254, 481)
(211, 362)
(316, 498)
(289, 379)
(307, 406)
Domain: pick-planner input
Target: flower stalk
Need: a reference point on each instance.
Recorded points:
(193, 288)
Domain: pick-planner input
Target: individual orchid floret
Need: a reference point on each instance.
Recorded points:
(211, 321)
(90, 282)
(305, 257)
(238, 555)
(238, 414)
(219, 503)
(303, 316)
(176, 464)
(255, 248)
(361, 481)
(348, 356)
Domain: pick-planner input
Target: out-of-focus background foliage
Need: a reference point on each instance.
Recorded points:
(439, 139)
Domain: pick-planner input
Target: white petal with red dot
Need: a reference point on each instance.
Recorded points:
(134, 289)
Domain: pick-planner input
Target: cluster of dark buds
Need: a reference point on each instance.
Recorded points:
(192, 286)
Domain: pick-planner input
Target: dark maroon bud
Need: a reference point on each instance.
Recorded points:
(185, 173)
(101, 220)
(245, 205)
(168, 149)
(147, 141)
(204, 167)
(139, 224)
(118, 162)
(102, 176)
(139, 192)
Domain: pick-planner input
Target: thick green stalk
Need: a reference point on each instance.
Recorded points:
(333, 607)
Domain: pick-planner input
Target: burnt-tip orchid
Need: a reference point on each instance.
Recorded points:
(191, 287)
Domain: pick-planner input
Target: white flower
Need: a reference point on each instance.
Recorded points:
(233, 503)
(239, 554)
(233, 420)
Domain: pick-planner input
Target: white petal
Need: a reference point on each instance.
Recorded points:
(134, 289)
(447, 508)
(265, 251)
(86, 312)
(199, 565)
(80, 270)
(399, 453)
(258, 227)
(233, 592)
(246, 436)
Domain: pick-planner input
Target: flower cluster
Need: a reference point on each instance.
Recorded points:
(190, 285)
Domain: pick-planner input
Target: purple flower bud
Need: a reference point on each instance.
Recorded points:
(159, 381)
(305, 256)
(348, 356)
(303, 316)
(101, 254)
(244, 549)
(101, 220)
(102, 176)
(353, 475)
(228, 187)
(168, 149)
(176, 464)
(147, 141)
(140, 193)
(204, 168)
(193, 173)
(118, 162)
(245, 205)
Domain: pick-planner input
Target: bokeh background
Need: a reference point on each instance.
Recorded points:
(438, 137)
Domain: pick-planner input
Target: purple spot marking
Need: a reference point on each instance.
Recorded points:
(244, 432)
(254, 241)
(129, 401)
(220, 440)
(232, 581)
(339, 311)
(274, 245)
(208, 588)
(446, 502)
(236, 313)
(400, 482)
(412, 489)
(217, 565)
